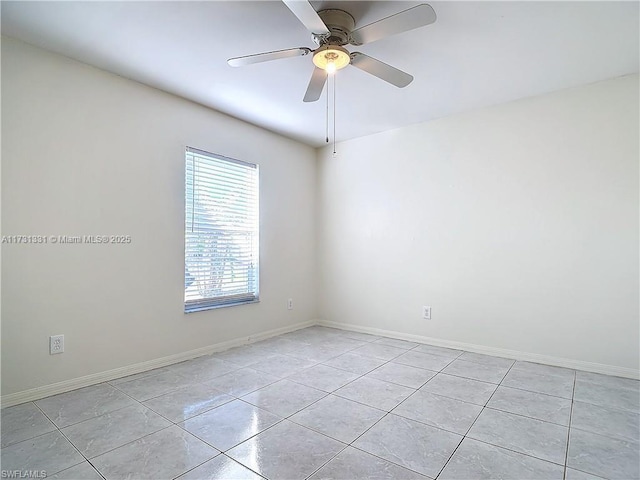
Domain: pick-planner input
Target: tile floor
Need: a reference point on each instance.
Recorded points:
(322, 403)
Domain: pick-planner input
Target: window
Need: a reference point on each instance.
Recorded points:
(221, 231)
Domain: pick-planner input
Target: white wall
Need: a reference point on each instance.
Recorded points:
(518, 224)
(87, 152)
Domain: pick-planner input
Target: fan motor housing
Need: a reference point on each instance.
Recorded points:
(339, 23)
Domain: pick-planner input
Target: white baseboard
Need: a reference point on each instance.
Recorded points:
(498, 352)
(87, 380)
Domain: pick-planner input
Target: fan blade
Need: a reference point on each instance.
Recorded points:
(307, 15)
(268, 56)
(415, 17)
(316, 84)
(381, 70)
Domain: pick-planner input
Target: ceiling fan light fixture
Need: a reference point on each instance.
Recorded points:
(331, 58)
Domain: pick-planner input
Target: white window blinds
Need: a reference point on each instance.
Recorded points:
(221, 231)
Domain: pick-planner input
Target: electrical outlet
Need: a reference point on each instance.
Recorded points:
(56, 344)
(426, 312)
(290, 304)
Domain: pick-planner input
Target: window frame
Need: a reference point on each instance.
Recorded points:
(232, 300)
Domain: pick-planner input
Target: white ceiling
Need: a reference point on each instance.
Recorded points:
(476, 54)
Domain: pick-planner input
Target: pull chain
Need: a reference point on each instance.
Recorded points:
(327, 113)
(331, 90)
(334, 116)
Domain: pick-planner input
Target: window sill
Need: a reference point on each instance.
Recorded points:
(202, 308)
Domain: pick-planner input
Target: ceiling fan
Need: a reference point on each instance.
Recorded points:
(331, 29)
